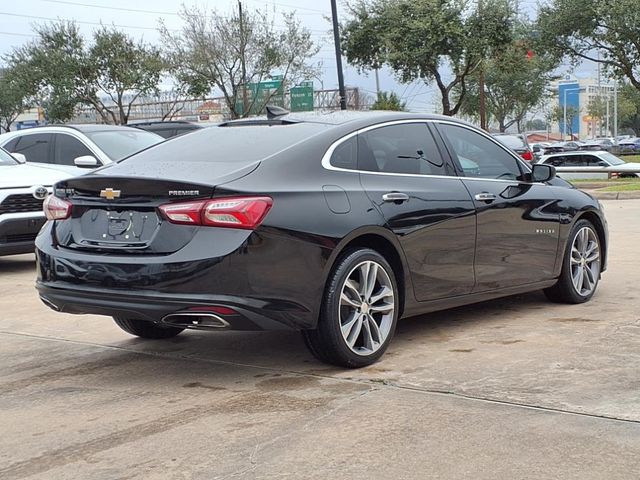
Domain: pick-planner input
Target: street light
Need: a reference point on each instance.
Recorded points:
(564, 105)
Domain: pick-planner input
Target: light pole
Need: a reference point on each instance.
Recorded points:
(564, 106)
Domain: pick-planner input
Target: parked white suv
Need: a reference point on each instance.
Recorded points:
(23, 188)
(75, 148)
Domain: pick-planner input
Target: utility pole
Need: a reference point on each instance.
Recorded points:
(336, 41)
(483, 111)
(615, 108)
(377, 82)
(245, 100)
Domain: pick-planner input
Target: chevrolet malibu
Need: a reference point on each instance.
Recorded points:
(335, 224)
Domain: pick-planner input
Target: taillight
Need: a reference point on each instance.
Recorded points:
(56, 208)
(231, 212)
(528, 156)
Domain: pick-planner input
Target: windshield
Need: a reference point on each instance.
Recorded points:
(510, 141)
(6, 159)
(612, 159)
(118, 144)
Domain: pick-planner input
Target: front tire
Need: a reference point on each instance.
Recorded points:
(145, 329)
(581, 266)
(359, 311)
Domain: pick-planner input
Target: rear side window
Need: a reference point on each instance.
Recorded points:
(35, 147)
(479, 156)
(346, 154)
(68, 148)
(406, 149)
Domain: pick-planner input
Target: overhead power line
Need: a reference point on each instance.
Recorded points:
(105, 7)
(51, 19)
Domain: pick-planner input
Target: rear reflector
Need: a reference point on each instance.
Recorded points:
(231, 212)
(56, 209)
(214, 309)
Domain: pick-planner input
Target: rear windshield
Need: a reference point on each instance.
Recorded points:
(243, 145)
(510, 141)
(118, 144)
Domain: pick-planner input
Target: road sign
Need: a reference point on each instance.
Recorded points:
(302, 97)
(260, 94)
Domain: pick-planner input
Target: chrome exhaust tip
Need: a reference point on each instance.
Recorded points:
(195, 320)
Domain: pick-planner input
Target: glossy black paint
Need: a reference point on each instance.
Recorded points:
(447, 248)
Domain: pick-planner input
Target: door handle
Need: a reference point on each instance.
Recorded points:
(396, 197)
(485, 197)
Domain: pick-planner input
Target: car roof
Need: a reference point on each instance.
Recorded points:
(168, 124)
(339, 117)
(575, 152)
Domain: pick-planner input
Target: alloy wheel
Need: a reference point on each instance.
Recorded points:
(366, 309)
(585, 261)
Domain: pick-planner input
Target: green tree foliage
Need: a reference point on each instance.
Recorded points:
(605, 31)
(389, 101)
(229, 52)
(558, 113)
(109, 74)
(536, 124)
(515, 83)
(427, 39)
(629, 109)
(15, 98)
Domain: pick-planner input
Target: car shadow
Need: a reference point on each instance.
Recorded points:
(287, 351)
(17, 263)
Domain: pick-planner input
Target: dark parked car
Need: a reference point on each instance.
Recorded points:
(168, 129)
(334, 224)
(629, 146)
(598, 144)
(518, 143)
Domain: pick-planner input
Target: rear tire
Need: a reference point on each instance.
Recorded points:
(581, 265)
(359, 311)
(145, 329)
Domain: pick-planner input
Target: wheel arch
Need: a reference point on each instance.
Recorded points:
(383, 242)
(597, 222)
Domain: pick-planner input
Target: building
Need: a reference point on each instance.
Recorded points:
(578, 94)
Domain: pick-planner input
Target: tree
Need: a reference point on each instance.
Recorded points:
(230, 53)
(629, 108)
(558, 115)
(426, 39)
(515, 83)
(14, 98)
(109, 75)
(537, 124)
(604, 31)
(389, 101)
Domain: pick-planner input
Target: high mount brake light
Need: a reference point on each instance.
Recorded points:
(232, 212)
(56, 208)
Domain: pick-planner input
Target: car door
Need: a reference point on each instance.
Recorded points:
(405, 175)
(596, 163)
(517, 220)
(67, 148)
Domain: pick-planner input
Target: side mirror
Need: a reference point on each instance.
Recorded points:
(542, 172)
(19, 157)
(86, 161)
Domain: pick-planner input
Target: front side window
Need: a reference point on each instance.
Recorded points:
(119, 144)
(68, 148)
(478, 156)
(406, 149)
(35, 147)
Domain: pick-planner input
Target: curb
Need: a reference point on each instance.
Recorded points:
(614, 195)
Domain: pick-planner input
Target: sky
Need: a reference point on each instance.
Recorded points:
(140, 19)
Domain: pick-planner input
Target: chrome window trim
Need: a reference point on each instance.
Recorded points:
(326, 158)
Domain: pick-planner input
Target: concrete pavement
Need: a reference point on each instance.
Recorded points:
(513, 388)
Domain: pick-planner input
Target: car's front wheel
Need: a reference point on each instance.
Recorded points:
(580, 268)
(359, 311)
(145, 329)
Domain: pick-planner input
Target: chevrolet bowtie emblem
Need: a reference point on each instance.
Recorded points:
(109, 193)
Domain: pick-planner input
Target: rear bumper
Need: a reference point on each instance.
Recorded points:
(272, 281)
(251, 314)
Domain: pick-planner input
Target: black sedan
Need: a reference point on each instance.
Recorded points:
(336, 225)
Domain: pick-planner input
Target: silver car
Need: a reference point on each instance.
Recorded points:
(598, 162)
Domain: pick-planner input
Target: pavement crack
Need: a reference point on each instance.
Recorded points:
(253, 462)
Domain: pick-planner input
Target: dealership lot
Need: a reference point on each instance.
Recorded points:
(513, 388)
